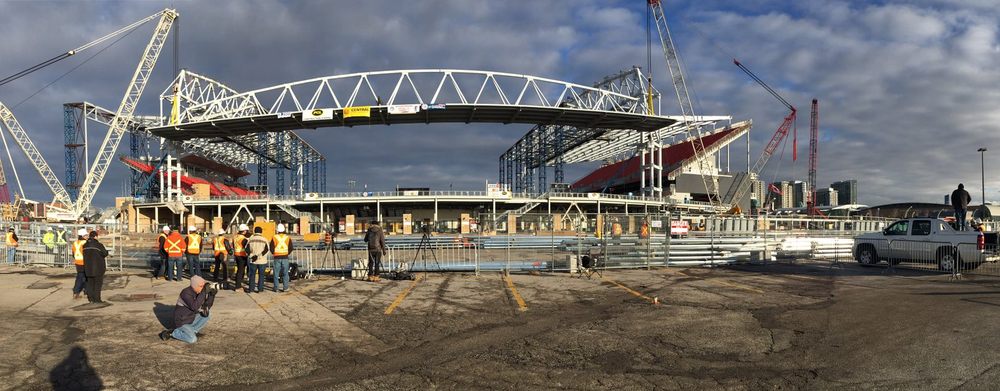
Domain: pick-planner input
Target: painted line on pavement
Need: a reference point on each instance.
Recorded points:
(632, 291)
(517, 296)
(399, 299)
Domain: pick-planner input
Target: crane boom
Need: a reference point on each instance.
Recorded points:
(684, 100)
(779, 135)
(34, 156)
(813, 155)
(125, 111)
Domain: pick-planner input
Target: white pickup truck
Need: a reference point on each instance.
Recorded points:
(923, 240)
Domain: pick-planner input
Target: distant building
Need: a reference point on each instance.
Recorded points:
(787, 197)
(800, 194)
(758, 191)
(826, 197)
(847, 191)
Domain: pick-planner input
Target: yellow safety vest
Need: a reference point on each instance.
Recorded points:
(78, 252)
(173, 245)
(220, 245)
(10, 240)
(61, 238)
(281, 242)
(194, 244)
(238, 249)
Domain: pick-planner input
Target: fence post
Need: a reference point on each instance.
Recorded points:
(668, 226)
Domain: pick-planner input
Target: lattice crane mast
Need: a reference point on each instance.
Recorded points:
(776, 139)
(812, 210)
(106, 154)
(20, 136)
(684, 100)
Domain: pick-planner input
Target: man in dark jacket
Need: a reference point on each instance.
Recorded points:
(960, 200)
(94, 265)
(376, 247)
(191, 312)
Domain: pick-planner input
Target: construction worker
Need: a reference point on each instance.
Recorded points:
(49, 240)
(160, 241)
(81, 273)
(375, 238)
(240, 242)
(257, 249)
(62, 244)
(94, 265)
(222, 247)
(11, 245)
(193, 252)
(281, 247)
(174, 246)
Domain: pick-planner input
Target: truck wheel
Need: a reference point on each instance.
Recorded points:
(947, 259)
(867, 255)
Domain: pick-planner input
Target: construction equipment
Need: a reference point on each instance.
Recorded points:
(684, 100)
(813, 157)
(123, 116)
(779, 135)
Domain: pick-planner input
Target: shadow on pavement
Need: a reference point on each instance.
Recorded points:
(75, 373)
(165, 314)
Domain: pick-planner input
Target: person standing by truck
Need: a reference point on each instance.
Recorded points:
(960, 200)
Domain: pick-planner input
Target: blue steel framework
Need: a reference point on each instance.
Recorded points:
(73, 142)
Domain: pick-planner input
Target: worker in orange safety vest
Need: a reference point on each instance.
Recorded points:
(174, 246)
(193, 253)
(81, 274)
(281, 247)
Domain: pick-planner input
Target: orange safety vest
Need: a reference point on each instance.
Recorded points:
(174, 246)
(238, 249)
(220, 246)
(78, 252)
(194, 244)
(10, 240)
(281, 242)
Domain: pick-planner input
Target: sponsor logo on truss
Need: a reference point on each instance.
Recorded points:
(317, 115)
(404, 109)
(358, 111)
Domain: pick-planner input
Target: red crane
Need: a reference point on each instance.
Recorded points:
(813, 157)
(779, 135)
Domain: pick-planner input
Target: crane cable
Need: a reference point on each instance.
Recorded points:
(86, 46)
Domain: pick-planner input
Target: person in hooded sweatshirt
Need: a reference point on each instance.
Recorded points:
(191, 313)
(94, 265)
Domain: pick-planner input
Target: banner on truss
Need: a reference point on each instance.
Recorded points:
(317, 115)
(357, 111)
(404, 109)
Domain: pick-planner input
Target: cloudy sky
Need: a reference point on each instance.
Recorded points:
(907, 89)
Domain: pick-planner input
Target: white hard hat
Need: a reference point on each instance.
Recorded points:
(166, 228)
(48, 229)
(281, 228)
(62, 226)
(82, 232)
(222, 232)
(243, 227)
(192, 228)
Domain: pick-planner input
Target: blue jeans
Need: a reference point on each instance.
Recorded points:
(81, 278)
(175, 265)
(960, 219)
(189, 332)
(280, 270)
(10, 254)
(194, 267)
(259, 270)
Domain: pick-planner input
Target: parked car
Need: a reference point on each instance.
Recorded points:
(925, 240)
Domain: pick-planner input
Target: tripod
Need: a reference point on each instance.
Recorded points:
(422, 251)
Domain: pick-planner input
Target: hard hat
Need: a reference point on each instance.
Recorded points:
(222, 232)
(192, 228)
(281, 228)
(243, 227)
(48, 229)
(166, 228)
(81, 232)
(62, 226)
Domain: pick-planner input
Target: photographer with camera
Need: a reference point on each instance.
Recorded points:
(192, 310)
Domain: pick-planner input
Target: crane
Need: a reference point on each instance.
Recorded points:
(126, 109)
(684, 100)
(813, 157)
(117, 128)
(776, 139)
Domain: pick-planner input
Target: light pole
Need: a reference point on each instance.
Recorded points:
(982, 161)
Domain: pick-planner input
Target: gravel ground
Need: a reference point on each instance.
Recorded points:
(783, 326)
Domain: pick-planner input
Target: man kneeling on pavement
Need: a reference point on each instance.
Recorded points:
(192, 311)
